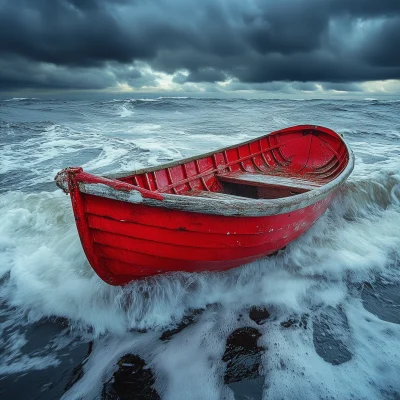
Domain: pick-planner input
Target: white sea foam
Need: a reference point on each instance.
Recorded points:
(147, 99)
(173, 97)
(160, 149)
(295, 372)
(125, 112)
(280, 121)
(12, 361)
(21, 99)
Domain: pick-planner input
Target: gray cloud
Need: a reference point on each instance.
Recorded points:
(201, 75)
(19, 73)
(93, 44)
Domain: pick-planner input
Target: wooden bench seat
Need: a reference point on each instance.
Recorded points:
(276, 181)
(211, 195)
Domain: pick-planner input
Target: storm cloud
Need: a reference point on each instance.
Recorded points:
(97, 44)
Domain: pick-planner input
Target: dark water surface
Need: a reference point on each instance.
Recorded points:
(320, 320)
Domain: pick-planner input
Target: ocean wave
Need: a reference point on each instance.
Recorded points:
(318, 280)
(382, 102)
(174, 97)
(22, 99)
(125, 112)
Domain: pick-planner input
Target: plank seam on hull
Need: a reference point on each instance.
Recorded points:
(134, 266)
(206, 263)
(235, 234)
(133, 251)
(200, 249)
(231, 245)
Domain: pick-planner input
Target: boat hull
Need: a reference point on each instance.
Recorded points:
(212, 212)
(125, 242)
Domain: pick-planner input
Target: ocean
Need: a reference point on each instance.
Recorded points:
(319, 320)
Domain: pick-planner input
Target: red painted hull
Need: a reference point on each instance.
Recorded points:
(155, 221)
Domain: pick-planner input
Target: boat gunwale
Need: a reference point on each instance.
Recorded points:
(227, 207)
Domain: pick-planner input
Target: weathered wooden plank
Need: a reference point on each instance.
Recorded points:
(213, 195)
(269, 180)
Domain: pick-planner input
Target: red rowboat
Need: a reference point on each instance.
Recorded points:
(211, 212)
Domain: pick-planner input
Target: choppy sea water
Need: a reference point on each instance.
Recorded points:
(320, 320)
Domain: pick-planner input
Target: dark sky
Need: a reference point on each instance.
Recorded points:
(207, 45)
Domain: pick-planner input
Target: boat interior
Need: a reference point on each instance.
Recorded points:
(283, 164)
